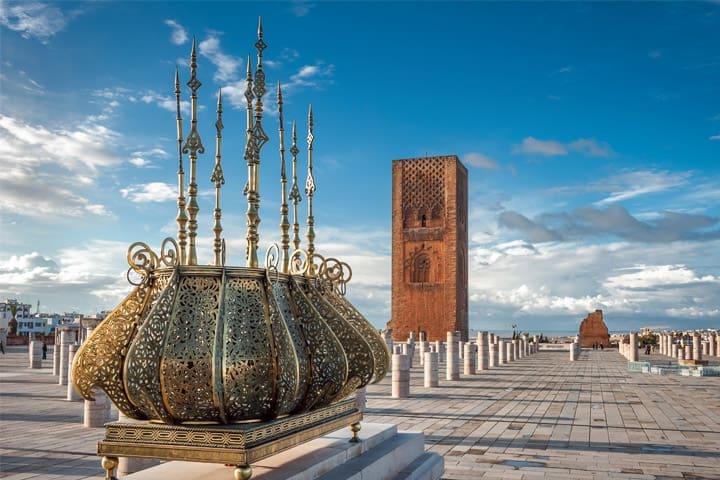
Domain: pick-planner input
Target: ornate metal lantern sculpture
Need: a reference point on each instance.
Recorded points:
(241, 361)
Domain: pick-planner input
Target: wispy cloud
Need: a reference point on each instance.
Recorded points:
(301, 7)
(551, 148)
(227, 65)
(33, 19)
(178, 34)
(166, 102)
(533, 231)
(715, 137)
(150, 192)
(629, 185)
(480, 160)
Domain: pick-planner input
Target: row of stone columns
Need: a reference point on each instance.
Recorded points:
(700, 348)
(487, 352)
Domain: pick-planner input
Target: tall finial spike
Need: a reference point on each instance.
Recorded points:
(193, 146)
(284, 223)
(219, 179)
(310, 186)
(260, 29)
(257, 139)
(294, 190)
(181, 215)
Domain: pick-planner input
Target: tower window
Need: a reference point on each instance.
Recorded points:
(421, 269)
(423, 220)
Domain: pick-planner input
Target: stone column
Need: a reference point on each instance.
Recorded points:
(633, 353)
(492, 355)
(717, 345)
(360, 399)
(674, 351)
(453, 357)
(56, 354)
(705, 349)
(35, 354)
(713, 345)
(97, 412)
(526, 345)
(438, 350)
(688, 353)
(491, 338)
(388, 340)
(501, 352)
(422, 346)
(64, 346)
(573, 352)
(431, 369)
(483, 351)
(128, 465)
(400, 376)
(696, 346)
(72, 395)
(516, 349)
(510, 351)
(469, 359)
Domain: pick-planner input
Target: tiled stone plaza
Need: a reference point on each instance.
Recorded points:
(541, 416)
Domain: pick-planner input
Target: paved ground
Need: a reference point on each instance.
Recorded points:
(539, 417)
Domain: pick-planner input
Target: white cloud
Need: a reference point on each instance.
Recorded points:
(551, 148)
(140, 162)
(301, 7)
(481, 161)
(715, 137)
(33, 19)
(150, 192)
(179, 35)
(166, 102)
(651, 276)
(227, 65)
(632, 184)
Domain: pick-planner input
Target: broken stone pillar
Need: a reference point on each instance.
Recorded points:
(491, 338)
(387, 336)
(400, 376)
(469, 359)
(461, 349)
(453, 358)
(573, 352)
(501, 352)
(634, 354)
(72, 395)
(35, 354)
(516, 349)
(674, 350)
(438, 349)
(713, 345)
(688, 352)
(509, 351)
(696, 346)
(431, 369)
(97, 412)
(483, 350)
(422, 346)
(705, 349)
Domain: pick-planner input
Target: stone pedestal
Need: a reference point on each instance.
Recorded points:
(492, 355)
(400, 376)
(360, 399)
(483, 351)
(453, 358)
(431, 369)
(439, 350)
(97, 412)
(461, 349)
(501, 352)
(573, 352)
(387, 336)
(35, 354)
(72, 395)
(128, 465)
(491, 338)
(469, 359)
(712, 344)
(688, 353)
(509, 351)
(516, 349)
(674, 351)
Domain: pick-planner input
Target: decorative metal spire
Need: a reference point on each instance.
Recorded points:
(193, 146)
(249, 155)
(310, 186)
(294, 190)
(219, 179)
(284, 223)
(181, 215)
(258, 138)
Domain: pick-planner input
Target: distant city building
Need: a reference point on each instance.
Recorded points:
(429, 247)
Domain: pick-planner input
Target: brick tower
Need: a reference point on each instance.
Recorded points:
(429, 248)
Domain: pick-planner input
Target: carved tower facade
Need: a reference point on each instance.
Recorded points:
(429, 248)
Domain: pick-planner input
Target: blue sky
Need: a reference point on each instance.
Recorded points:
(591, 132)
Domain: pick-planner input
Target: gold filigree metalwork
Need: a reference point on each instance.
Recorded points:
(216, 344)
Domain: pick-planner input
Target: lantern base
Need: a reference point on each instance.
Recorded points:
(235, 444)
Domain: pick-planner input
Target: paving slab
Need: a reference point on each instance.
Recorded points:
(539, 417)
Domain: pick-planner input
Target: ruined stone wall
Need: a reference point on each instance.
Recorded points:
(594, 330)
(429, 247)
